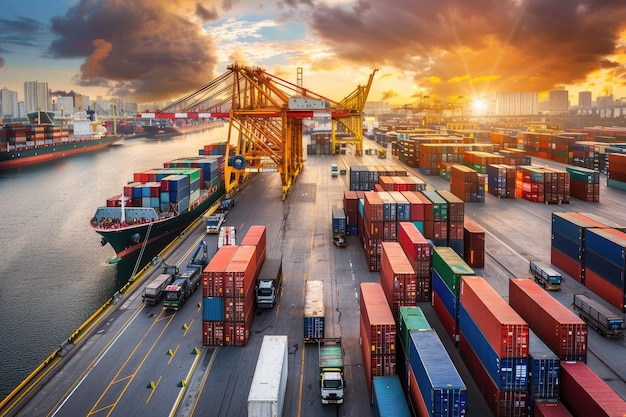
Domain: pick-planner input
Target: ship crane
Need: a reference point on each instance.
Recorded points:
(265, 120)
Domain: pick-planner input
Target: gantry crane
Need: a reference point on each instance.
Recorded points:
(265, 115)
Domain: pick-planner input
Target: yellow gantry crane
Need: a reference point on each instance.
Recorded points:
(265, 115)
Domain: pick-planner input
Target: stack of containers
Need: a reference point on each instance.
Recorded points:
(543, 372)
(448, 268)
(378, 333)
(257, 236)
(421, 212)
(562, 330)
(403, 208)
(616, 171)
(435, 386)
(479, 161)
(514, 156)
(503, 139)
(214, 332)
(456, 215)
(387, 397)
(372, 232)
(584, 184)
(212, 168)
(586, 394)
(239, 284)
(605, 265)
(351, 208)
(314, 324)
(473, 244)
(501, 180)
(556, 186)
(397, 277)
(390, 217)
(363, 178)
(440, 218)
(401, 183)
(567, 250)
(419, 254)
(174, 188)
(464, 184)
(411, 319)
(493, 343)
(529, 183)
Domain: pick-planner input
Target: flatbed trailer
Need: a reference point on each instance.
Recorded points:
(601, 318)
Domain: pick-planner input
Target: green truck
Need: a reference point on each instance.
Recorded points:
(181, 289)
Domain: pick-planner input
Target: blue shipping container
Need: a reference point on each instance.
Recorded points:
(440, 384)
(543, 369)
(612, 248)
(388, 398)
(509, 374)
(213, 309)
(603, 267)
(572, 249)
(313, 328)
(450, 302)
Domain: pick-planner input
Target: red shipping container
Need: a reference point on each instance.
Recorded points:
(417, 205)
(397, 277)
(473, 235)
(414, 244)
(415, 395)
(504, 329)
(550, 408)
(586, 394)
(562, 330)
(570, 266)
(449, 323)
(609, 292)
(213, 273)
(380, 326)
(501, 403)
(373, 206)
(239, 274)
(256, 236)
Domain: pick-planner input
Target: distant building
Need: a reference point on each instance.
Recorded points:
(604, 102)
(558, 101)
(65, 106)
(377, 107)
(584, 99)
(517, 103)
(8, 103)
(36, 96)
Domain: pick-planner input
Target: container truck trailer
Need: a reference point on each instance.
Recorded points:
(601, 318)
(313, 311)
(269, 383)
(545, 275)
(332, 379)
(181, 289)
(153, 292)
(339, 227)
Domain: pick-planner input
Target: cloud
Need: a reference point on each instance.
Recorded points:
(150, 50)
(474, 45)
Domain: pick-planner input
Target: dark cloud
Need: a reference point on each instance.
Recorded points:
(22, 31)
(206, 14)
(62, 93)
(466, 46)
(151, 50)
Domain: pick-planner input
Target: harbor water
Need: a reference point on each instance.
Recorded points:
(54, 272)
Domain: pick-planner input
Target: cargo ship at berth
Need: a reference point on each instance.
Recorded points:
(42, 140)
(163, 131)
(160, 203)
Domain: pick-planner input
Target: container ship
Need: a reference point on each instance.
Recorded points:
(163, 131)
(43, 140)
(160, 203)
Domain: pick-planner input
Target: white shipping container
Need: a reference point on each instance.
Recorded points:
(267, 392)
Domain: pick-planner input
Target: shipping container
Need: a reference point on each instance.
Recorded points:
(450, 267)
(388, 398)
(313, 310)
(543, 369)
(269, 383)
(562, 330)
(501, 325)
(412, 319)
(397, 277)
(586, 394)
(441, 388)
(550, 408)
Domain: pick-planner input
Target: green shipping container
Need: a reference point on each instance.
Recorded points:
(450, 267)
(412, 319)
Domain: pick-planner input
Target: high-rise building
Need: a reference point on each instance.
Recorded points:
(516, 103)
(36, 96)
(8, 103)
(584, 99)
(558, 100)
(65, 106)
(604, 102)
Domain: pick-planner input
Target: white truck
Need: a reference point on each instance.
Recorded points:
(214, 222)
(153, 292)
(227, 236)
(331, 371)
(269, 383)
(334, 170)
(268, 283)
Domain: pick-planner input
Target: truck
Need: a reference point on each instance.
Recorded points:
(226, 204)
(227, 236)
(182, 288)
(332, 381)
(268, 283)
(545, 275)
(339, 227)
(214, 222)
(601, 318)
(314, 322)
(153, 292)
(269, 383)
(334, 170)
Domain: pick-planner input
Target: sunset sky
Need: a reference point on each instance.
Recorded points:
(157, 50)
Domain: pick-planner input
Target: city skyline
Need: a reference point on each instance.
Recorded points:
(159, 51)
